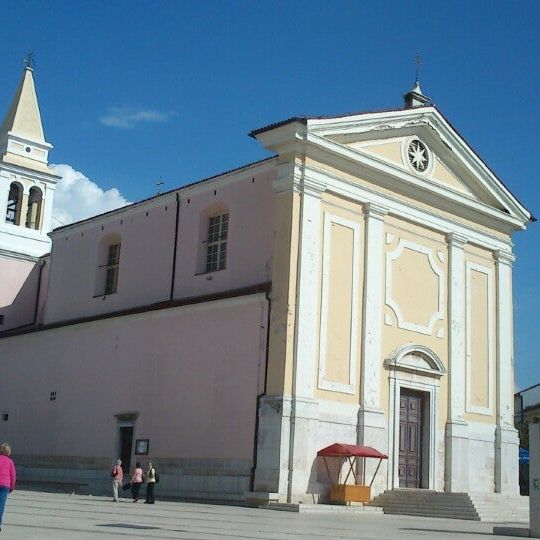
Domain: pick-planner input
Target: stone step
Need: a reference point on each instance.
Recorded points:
(454, 508)
(321, 508)
(431, 510)
(446, 515)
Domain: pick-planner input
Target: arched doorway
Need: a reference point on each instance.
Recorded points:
(414, 380)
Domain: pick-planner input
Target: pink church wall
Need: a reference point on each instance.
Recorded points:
(192, 374)
(250, 203)
(18, 292)
(147, 235)
(145, 262)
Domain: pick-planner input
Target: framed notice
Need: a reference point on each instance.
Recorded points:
(141, 447)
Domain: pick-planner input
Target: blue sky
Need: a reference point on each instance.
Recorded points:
(134, 91)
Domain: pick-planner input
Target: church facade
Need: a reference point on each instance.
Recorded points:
(355, 287)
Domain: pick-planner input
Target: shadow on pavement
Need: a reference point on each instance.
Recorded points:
(128, 526)
(445, 531)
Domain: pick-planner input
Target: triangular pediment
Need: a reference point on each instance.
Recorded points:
(394, 150)
(453, 171)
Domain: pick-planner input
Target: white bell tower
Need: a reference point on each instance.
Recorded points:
(27, 183)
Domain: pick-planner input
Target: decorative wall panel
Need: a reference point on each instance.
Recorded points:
(480, 346)
(415, 287)
(339, 305)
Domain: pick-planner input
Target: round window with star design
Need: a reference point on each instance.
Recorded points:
(418, 155)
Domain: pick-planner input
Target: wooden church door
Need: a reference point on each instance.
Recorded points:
(410, 439)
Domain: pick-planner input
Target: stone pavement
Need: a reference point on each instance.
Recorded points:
(37, 515)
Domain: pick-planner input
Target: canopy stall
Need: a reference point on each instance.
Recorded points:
(343, 492)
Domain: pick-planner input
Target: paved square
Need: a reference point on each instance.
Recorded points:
(36, 515)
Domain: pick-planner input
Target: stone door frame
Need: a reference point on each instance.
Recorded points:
(406, 372)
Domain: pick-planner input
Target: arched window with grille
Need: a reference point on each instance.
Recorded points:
(113, 264)
(33, 212)
(13, 210)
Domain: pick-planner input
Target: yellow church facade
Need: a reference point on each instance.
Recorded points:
(391, 320)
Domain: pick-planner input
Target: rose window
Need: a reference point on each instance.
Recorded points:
(418, 155)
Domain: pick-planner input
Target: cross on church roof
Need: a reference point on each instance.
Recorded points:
(414, 97)
(417, 61)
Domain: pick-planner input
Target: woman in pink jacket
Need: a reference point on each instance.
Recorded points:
(7, 477)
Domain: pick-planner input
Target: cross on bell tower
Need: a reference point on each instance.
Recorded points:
(29, 61)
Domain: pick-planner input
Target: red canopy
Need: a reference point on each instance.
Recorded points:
(346, 450)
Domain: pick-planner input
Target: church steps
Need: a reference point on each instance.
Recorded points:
(477, 507)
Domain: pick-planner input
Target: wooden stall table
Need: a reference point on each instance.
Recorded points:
(342, 492)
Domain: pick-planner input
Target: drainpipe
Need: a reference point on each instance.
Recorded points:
(260, 396)
(38, 292)
(173, 272)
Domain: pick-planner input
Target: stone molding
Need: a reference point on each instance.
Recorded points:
(392, 303)
(396, 361)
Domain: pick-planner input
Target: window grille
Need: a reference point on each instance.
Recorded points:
(216, 250)
(111, 275)
(14, 204)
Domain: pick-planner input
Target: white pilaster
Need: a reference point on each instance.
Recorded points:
(456, 435)
(304, 412)
(505, 341)
(506, 438)
(373, 306)
(372, 426)
(456, 333)
(308, 289)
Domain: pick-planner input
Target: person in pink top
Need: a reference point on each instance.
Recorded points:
(136, 481)
(7, 477)
(117, 475)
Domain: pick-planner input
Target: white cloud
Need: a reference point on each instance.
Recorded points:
(129, 117)
(77, 197)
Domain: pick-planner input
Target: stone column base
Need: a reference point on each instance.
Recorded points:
(506, 460)
(286, 446)
(456, 470)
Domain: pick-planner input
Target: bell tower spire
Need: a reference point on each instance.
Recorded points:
(23, 119)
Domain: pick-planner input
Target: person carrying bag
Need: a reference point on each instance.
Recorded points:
(152, 478)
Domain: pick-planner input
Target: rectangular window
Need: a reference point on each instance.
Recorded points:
(111, 276)
(216, 251)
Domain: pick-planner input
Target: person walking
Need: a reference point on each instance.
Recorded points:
(7, 477)
(150, 484)
(136, 481)
(117, 474)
